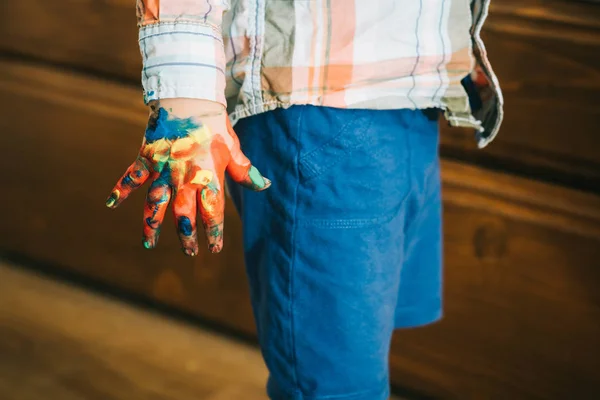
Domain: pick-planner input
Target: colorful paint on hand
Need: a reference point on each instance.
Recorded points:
(186, 162)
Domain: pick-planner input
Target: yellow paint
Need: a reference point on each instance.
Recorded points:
(159, 150)
(183, 144)
(201, 134)
(206, 204)
(202, 177)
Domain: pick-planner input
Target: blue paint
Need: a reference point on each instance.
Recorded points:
(185, 226)
(127, 181)
(151, 93)
(170, 128)
(163, 182)
(164, 179)
(151, 222)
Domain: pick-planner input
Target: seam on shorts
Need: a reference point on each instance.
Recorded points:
(410, 176)
(351, 223)
(305, 159)
(325, 223)
(345, 125)
(293, 263)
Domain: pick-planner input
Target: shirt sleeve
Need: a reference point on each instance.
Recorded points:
(182, 49)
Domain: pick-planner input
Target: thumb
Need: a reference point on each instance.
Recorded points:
(241, 169)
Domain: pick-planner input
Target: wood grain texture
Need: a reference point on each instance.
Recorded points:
(545, 52)
(58, 342)
(522, 307)
(522, 314)
(95, 35)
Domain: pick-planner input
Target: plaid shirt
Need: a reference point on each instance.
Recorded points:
(257, 55)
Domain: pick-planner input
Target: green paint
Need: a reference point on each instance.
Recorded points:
(212, 187)
(147, 244)
(111, 200)
(216, 231)
(256, 178)
(160, 165)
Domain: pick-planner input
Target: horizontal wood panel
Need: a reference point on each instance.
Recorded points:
(95, 35)
(58, 342)
(521, 298)
(522, 306)
(546, 54)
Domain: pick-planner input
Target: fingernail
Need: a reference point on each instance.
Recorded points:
(257, 179)
(215, 248)
(112, 199)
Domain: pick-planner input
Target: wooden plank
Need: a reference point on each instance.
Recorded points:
(99, 36)
(521, 306)
(59, 342)
(522, 309)
(577, 19)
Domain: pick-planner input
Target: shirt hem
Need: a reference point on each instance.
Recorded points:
(453, 118)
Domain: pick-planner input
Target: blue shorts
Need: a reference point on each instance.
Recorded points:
(344, 246)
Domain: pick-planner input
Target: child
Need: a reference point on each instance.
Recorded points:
(337, 102)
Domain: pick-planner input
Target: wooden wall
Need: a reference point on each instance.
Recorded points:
(522, 217)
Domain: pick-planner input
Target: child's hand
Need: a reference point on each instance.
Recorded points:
(187, 147)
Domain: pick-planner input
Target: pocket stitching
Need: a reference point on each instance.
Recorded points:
(309, 167)
(355, 222)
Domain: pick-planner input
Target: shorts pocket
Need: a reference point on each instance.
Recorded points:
(355, 168)
(335, 134)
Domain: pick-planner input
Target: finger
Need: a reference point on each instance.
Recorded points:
(211, 202)
(241, 169)
(134, 177)
(249, 177)
(184, 210)
(157, 202)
